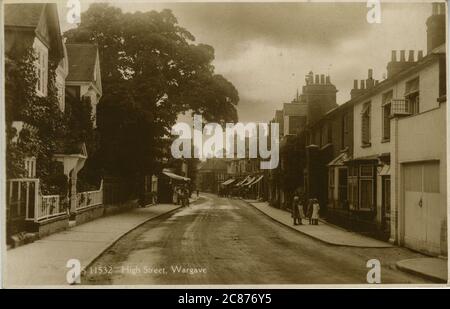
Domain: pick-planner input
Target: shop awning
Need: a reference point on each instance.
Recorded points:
(229, 181)
(339, 160)
(176, 177)
(248, 181)
(242, 181)
(258, 179)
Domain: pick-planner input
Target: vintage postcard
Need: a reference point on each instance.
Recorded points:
(224, 144)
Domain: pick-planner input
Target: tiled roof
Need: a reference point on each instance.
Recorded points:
(81, 61)
(23, 14)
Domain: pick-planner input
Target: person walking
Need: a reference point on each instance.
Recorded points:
(315, 212)
(295, 211)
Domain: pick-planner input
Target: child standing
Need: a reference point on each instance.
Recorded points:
(315, 212)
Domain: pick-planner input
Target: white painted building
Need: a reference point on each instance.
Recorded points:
(398, 174)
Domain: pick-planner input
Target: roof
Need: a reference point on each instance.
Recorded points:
(213, 164)
(294, 109)
(82, 58)
(23, 14)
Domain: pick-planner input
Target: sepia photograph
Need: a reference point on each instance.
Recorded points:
(257, 144)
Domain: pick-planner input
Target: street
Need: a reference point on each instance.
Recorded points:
(227, 241)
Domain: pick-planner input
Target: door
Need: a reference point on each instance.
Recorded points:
(421, 204)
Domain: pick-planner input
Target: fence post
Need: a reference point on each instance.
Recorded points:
(37, 189)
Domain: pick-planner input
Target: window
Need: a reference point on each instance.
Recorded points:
(330, 183)
(329, 133)
(30, 167)
(365, 124)
(412, 96)
(386, 109)
(352, 192)
(41, 64)
(344, 129)
(366, 183)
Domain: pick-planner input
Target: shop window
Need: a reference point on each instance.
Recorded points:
(366, 187)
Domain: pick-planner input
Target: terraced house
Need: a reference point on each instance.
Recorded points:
(396, 182)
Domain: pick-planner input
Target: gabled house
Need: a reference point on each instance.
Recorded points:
(34, 26)
(37, 25)
(84, 79)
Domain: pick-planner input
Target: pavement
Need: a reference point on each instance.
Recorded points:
(43, 262)
(324, 232)
(226, 241)
(434, 269)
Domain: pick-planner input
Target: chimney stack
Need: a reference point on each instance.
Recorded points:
(394, 56)
(411, 56)
(436, 27)
(420, 55)
(402, 56)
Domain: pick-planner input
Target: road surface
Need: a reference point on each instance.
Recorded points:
(226, 241)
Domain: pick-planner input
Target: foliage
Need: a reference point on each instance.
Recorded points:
(46, 123)
(151, 71)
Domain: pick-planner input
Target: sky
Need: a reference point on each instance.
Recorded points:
(266, 49)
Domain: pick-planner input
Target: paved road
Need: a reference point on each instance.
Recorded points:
(226, 241)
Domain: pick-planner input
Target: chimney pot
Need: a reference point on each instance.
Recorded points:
(420, 55)
(322, 78)
(317, 79)
(328, 81)
(370, 73)
(411, 56)
(362, 84)
(435, 9)
(394, 56)
(402, 56)
(355, 84)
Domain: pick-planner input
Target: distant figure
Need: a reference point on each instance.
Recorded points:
(295, 211)
(315, 212)
(309, 208)
(198, 192)
(301, 210)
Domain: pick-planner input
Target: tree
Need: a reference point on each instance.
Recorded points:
(151, 71)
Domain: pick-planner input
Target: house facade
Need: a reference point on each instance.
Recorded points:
(397, 176)
(84, 78)
(35, 27)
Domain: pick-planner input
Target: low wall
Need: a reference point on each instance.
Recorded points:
(89, 213)
(50, 226)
